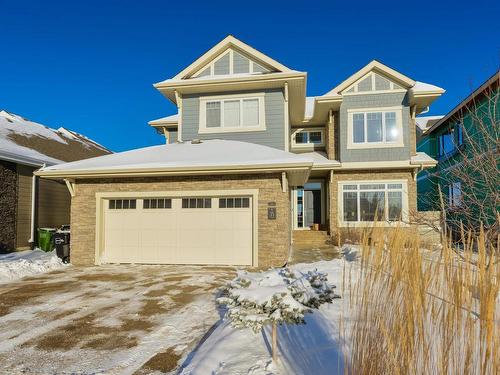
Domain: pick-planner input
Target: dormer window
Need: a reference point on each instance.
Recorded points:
(376, 127)
(232, 113)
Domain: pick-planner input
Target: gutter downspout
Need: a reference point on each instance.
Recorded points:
(34, 185)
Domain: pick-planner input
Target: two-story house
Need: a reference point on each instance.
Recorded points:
(248, 160)
(465, 144)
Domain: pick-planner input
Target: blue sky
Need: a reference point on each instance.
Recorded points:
(90, 65)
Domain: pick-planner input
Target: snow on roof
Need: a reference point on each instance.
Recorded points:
(207, 154)
(172, 118)
(223, 76)
(31, 143)
(422, 158)
(309, 112)
(320, 159)
(423, 121)
(424, 87)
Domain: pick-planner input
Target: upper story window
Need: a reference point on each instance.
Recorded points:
(308, 137)
(378, 127)
(232, 113)
(449, 141)
(231, 62)
(372, 83)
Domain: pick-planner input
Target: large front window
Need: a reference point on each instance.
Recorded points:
(232, 114)
(368, 202)
(449, 141)
(370, 128)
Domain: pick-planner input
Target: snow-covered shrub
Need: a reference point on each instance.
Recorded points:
(274, 297)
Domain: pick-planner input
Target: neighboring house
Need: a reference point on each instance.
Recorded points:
(249, 160)
(465, 144)
(27, 202)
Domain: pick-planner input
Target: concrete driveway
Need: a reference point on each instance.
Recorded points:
(114, 319)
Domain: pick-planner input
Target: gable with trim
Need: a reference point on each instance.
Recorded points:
(231, 56)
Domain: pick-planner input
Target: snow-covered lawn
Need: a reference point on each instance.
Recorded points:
(20, 264)
(312, 348)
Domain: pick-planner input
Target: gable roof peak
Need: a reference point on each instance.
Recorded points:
(228, 42)
(377, 66)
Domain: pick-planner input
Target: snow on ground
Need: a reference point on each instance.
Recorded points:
(20, 264)
(313, 348)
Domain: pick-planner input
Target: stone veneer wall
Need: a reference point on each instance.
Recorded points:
(8, 194)
(273, 235)
(368, 175)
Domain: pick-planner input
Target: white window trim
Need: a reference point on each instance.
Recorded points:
(203, 114)
(231, 65)
(356, 92)
(399, 124)
(380, 223)
(455, 200)
(308, 145)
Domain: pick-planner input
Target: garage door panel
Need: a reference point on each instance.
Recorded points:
(178, 235)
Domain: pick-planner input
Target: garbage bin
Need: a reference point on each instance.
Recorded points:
(45, 238)
(61, 241)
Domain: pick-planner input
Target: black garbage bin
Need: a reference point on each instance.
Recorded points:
(61, 240)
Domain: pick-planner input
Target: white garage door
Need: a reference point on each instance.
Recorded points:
(176, 230)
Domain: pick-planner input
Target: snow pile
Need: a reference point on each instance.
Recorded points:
(275, 296)
(311, 348)
(20, 264)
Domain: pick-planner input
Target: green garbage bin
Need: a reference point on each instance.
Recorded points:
(45, 238)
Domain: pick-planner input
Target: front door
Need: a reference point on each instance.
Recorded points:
(308, 205)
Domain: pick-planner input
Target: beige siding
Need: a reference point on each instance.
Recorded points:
(54, 203)
(23, 211)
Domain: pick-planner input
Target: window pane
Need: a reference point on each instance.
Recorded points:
(230, 202)
(168, 203)
(132, 203)
(208, 202)
(372, 187)
(394, 186)
(301, 137)
(125, 203)
(246, 202)
(222, 203)
(199, 203)
(395, 203)
(112, 204)
(119, 204)
(374, 127)
(161, 203)
(358, 127)
(391, 130)
(153, 203)
(145, 203)
(231, 113)
(251, 112)
(192, 203)
(371, 205)
(350, 206)
(237, 202)
(350, 187)
(213, 114)
(315, 137)
(185, 203)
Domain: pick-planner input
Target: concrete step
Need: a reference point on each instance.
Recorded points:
(311, 237)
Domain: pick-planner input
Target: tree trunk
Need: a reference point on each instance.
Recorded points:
(275, 342)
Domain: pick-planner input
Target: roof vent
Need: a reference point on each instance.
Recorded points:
(196, 141)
